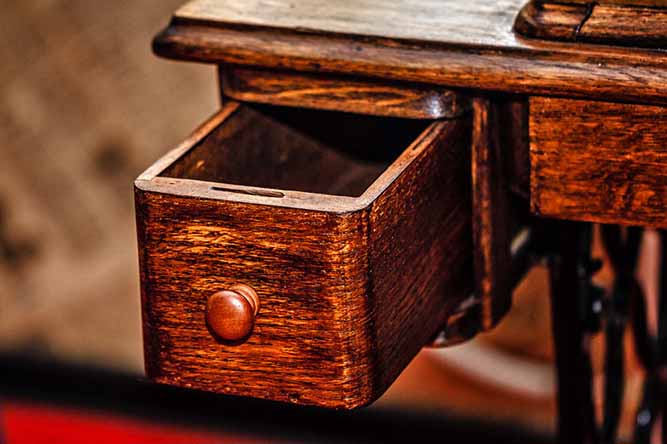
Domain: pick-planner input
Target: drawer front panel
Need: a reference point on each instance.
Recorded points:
(306, 272)
(349, 288)
(597, 161)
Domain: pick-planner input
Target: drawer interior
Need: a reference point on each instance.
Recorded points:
(354, 232)
(295, 149)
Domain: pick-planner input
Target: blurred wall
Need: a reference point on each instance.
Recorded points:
(84, 108)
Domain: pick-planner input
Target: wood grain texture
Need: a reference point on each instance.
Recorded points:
(514, 140)
(341, 94)
(311, 295)
(609, 23)
(599, 162)
(349, 292)
(551, 21)
(298, 149)
(420, 249)
(492, 225)
(652, 3)
(452, 43)
(626, 26)
(421, 20)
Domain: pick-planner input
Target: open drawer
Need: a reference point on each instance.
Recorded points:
(302, 256)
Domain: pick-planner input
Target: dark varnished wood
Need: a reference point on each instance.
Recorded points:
(597, 161)
(490, 215)
(631, 26)
(230, 313)
(498, 147)
(412, 20)
(349, 294)
(410, 309)
(332, 153)
(362, 251)
(514, 140)
(551, 21)
(649, 3)
(457, 44)
(613, 23)
(341, 94)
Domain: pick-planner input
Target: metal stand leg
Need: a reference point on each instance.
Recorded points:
(569, 267)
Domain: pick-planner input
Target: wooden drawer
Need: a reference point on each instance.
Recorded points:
(353, 231)
(598, 161)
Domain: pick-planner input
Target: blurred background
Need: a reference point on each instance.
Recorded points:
(84, 108)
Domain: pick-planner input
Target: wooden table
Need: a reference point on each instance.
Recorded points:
(380, 176)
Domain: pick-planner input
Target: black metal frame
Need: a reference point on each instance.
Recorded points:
(568, 258)
(578, 312)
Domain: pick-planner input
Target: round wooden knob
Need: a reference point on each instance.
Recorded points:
(231, 313)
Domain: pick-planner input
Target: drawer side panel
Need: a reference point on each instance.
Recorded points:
(421, 248)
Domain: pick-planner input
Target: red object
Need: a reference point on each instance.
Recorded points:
(41, 424)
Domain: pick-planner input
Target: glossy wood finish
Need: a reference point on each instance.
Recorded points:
(421, 20)
(551, 21)
(335, 154)
(491, 219)
(612, 23)
(349, 293)
(626, 26)
(231, 313)
(373, 277)
(599, 162)
(649, 3)
(457, 44)
(500, 213)
(341, 94)
(514, 139)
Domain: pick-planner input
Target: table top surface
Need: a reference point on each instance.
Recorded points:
(650, 3)
(476, 22)
(468, 44)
